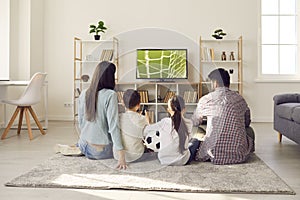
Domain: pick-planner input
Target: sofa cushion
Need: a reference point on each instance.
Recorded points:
(286, 98)
(296, 115)
(285, 110)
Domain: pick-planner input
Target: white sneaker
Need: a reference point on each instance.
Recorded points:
(67, 150)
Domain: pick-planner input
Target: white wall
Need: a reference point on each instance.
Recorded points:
(26, 46)
(4, 39)
(36, 37)
(64, 19)
(26, 38)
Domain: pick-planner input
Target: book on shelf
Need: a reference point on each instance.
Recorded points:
(120, 96)
(151, 116)
(207, 54)
(107, 55)
(212, 54)
(144, 96)
(169, 95)
(190, 96)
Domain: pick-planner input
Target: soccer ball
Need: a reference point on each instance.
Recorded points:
(152, 140)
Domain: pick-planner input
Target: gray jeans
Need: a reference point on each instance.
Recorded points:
(92, 153)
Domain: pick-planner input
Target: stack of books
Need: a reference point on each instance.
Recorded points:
(107, 55)
(120, 96)
(144, 96)
(169, 95)
(190, 96)
(151, 116)
(207, 54)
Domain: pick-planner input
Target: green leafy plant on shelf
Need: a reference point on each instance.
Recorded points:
(218, 34)
(97, 29)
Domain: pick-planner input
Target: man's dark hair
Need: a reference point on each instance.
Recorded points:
(131, 98)
(221, 76)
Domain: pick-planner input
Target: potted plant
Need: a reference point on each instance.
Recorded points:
(96, 29)
(218, 34)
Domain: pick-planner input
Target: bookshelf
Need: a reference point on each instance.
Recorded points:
(87, 54)
(157, 95)
(223, 53)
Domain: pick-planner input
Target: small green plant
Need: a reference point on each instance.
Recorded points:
(218, 34)
(96, 29)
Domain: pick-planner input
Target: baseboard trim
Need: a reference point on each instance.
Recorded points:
(60, 118)
(261, 119)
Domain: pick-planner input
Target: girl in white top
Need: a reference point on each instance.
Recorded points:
(175, 133)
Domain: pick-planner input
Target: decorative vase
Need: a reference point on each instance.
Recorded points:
(97, 37)
(231, 57)
(223, 56)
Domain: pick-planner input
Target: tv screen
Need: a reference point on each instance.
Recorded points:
(162, 64)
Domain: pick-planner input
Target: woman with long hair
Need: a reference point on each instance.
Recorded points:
(175, 133)
(98, 116)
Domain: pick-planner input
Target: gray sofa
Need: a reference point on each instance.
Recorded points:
(287, 116)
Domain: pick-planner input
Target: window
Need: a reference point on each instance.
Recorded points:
(279, 37)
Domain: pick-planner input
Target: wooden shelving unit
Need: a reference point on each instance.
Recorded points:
(87, 54)
(210, 59)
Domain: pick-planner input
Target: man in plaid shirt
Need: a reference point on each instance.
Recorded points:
(228, 139)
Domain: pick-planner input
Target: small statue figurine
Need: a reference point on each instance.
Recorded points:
(231, 57)
(223, 56)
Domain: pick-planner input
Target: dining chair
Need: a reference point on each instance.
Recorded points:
(31, 96)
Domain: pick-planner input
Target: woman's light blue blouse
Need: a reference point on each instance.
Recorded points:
(105, 129)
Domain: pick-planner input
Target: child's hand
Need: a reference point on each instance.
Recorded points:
(122, 163)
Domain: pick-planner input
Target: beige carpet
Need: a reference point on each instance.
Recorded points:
(79, 172)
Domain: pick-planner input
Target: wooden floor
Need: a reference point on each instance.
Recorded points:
(19, 154)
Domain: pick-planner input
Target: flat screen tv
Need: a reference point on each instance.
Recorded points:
(162, 64)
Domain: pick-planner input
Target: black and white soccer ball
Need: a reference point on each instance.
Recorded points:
(152, 140)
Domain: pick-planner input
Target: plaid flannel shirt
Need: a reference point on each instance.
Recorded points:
(226, 141)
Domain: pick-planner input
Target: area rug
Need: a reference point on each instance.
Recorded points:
(79, 172)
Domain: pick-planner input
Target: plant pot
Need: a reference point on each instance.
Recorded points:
(97, 37)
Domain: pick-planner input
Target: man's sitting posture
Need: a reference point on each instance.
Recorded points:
(228, 139)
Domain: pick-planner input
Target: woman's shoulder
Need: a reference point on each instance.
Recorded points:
(107, 92)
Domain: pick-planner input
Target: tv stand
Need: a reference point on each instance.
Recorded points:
(163, 81)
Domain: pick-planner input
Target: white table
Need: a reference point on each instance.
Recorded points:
(3, 95)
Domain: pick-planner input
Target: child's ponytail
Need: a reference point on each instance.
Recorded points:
(177, 105)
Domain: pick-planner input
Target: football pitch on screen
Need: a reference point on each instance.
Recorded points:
(159, 64)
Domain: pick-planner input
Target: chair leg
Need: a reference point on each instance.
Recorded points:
(28, 123)
(36, 120)
(279, 137)
(20, 120)
(10, 123)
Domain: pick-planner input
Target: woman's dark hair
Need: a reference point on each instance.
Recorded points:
(177, 105)
(103, 77)
(221, 76)
(131, 98)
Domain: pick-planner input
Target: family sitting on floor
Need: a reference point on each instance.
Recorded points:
(104, 133)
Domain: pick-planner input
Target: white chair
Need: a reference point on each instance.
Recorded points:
(31, 96)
